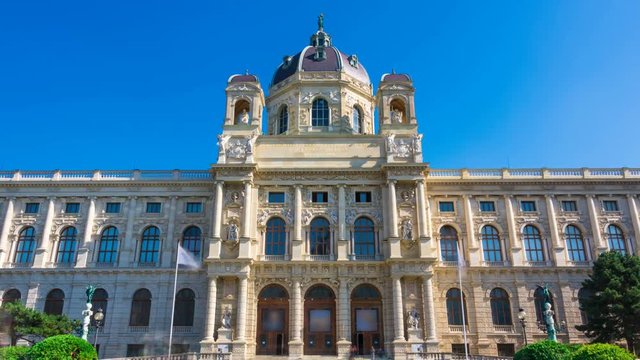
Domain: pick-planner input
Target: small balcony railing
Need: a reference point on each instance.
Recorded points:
(183, 329)
(496, 263)
(503, 328)
(320, 257)
(138, 329)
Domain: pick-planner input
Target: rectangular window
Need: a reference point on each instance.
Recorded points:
(445, 206)
(319, 197)
(487, 206)
(135, 350)
(194, 207)
(528, 206)
(363, 196)
(31, 208)
(610, 205)
(112, 208)
(276, 197)
(459, 348)
(569, 206)
(72, 208)
(506, 349)
(154, 207)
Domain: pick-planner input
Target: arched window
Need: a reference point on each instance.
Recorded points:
(150, 245)
(364, 239)
(398, 111)
(454, 307)
(140, 308)
(320, 237)
(448, 243)
(276, 237)
(108, 251)
(575, 243)
(26, 246)
(67, 246)
(11, 295)
(54, 303)
(318, 292)
(365, 292)
(185, 308)
(533, 243)
(99, 301)
(320, 112)
(583, 295)
(491, 244)
(192, 240)
(242, 109)
(283, 120)
(273, 292)
(500, 307)
(616, 239)
(356, 120)
(538, 300)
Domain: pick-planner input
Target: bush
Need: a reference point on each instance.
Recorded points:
(14, 353)
(62, 347)
(547, 350)
(602, 352)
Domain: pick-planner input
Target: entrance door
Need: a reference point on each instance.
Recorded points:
(366, 319)
(273, 321)
(319, 321)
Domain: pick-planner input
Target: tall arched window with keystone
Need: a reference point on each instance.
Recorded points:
(67, 246)
(449, 244)
(192, 240)
(108, 251)
(364, 239)
(454, 308)
(500, 307)
(533, 246)
(283, 120)
(185, 308)
(140, 308)
(26, 246)
(150, 246)
(616, 239)
(575, 243)
(54, 303)
(276, 237)
(491, 246)
(320, 112)
(356, 120)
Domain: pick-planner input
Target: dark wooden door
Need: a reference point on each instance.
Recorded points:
(319, 327)
(273, 327)
(366, 327)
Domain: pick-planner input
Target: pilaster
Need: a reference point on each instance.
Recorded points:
(601, 246)
(216, 242)
(4, 235)
(43, 253)
(474, 250)
(343, 241)
(635, 220)
(128, 249)
(557, 248)
(514, 239)
(297, 244)
(394, 240)
(85, 252)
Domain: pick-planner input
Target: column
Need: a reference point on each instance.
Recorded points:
(242, 308)
(343, 238)
(4, 235)
(343, 312)
(474, 254)
(169, 245)
(246, 210)
(85, 251)
(128, 250)
(556, 249)
(296, 331)
(41, 257)
(398, 311)
(429, 312)
(297, 244)
(217, 215)
(393, 210)
(422, 209)
(595, 227)
(210, 325)
(635, 220)
(516, 245)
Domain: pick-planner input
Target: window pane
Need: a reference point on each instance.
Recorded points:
(528, 205)
(319, 237)
(364, 237)
(610, 205)
(487, 206)
(446, 206)
(491, 244)
(153, 207)
(320, 320)
(616, 239)
(112, 208)
(283, 120)
(194, 207)
(366, 320)
(363, 196)
(320, 113)
(533, 244)
(319, 196)
(575, 244)
(72, 208)
(26, 246)
(108, 252)
(67, 246)
(31, 208)
(276, 197)
(150, 245)
(275, 240)
(272, 319)
(192, 240)
(570, 206)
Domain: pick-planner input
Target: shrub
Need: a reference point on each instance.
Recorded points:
(14, 353)
(62, 347)
(547, 350)
(602, 352)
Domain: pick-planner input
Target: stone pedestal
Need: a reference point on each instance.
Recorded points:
(344, 349)
(225, 336)
(432, 346)
(296, 348)
(399, 349)
(415, 335)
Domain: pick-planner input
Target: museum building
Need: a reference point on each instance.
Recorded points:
(320, 229)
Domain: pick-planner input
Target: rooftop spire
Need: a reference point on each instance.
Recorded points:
(321, 22)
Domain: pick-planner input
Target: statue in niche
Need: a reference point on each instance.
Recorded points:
(407, 230)
(226, 318)
(222, 143)
(232, 233)
(413, 319)
(417, 143)
(243, 118)
(391, 144)
(396, 115)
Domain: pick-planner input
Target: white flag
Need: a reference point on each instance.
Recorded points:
(187, 259)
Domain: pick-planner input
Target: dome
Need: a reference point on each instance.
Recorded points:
(393, 77)
(242, 78)
(320, 56)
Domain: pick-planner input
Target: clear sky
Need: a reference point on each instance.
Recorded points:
(140, 84)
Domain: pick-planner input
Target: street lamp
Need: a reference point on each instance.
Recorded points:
(98, 316)
(522, 316)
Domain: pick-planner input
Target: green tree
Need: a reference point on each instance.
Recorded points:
(32, 325)
(62, 347)
(613, 307)
(546, 349)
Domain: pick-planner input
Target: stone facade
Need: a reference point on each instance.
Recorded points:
(316, 234)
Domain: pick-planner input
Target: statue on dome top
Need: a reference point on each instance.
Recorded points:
(321, 22)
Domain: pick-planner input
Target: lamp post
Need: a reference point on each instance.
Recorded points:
(522, 316)
(98, 316)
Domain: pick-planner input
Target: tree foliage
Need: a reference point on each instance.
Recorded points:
(547, 349)
(31, 325)
(601, 352)
(14, 352)
(63, 347)
(613, 307)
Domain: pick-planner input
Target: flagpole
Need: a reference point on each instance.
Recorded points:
(173, 302)
(464, 321)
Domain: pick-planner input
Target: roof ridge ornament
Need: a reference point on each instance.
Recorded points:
(321, 22)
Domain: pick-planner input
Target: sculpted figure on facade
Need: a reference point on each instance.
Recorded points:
(226, 318)
(396, 116)
(222, 143)
(391, 144)
(417, 143)
(407, 230)
(243, 118)
(232, 233)
(413, 319)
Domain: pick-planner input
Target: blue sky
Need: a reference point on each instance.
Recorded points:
(140, 84)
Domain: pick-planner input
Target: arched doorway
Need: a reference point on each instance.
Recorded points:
(319, 321)
(366, 319)
(273, 321)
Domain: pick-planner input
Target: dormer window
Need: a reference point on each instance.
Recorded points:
(353, 60)
(320, 113)
(320, 54)
(286, 61)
